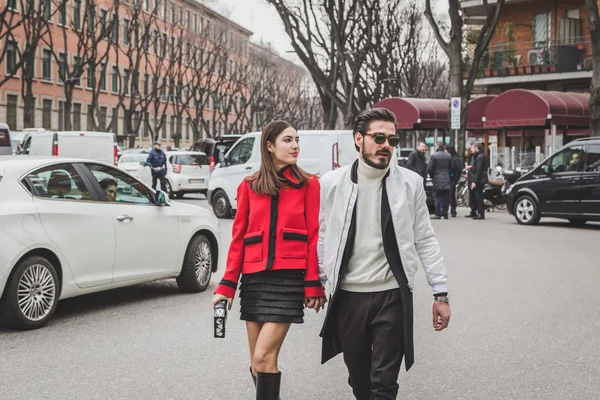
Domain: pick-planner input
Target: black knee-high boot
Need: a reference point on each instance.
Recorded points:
(268, 385)
(253, 377)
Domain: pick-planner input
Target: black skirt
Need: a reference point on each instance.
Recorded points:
(273, 296)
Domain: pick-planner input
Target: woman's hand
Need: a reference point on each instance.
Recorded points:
(218, 297)
(316, 303)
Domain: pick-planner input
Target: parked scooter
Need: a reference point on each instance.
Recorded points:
(495, 190)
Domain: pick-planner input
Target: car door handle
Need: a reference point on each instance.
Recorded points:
(248, 167)
(588, 178)
(124, 218)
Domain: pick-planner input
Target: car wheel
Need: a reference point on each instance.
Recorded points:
(527, 211)
(31, 294)
(578, 222)
(178, 195)
(169, 190)
(197, 266)
(221, 205)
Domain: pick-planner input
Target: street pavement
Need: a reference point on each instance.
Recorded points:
(525, 325)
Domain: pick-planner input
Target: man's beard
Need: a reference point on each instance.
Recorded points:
(374, 160)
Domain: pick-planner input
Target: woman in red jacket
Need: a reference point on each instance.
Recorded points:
(274, 247)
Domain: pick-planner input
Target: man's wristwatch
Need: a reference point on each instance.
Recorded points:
(443, 299)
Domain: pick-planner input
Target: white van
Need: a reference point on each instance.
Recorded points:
(98, 146)
(5, 145)
(320, 152)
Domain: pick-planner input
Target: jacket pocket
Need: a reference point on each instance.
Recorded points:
(294, 243)
(253, 247)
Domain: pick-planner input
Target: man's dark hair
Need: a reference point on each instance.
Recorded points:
(450, 149)
(104, 183)
(481, 147)
(361, 124)
(440, 147)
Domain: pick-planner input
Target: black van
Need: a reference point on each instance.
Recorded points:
(212, 147)
(5, 145)
(566, 185)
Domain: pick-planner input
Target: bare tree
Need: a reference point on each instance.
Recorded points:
(453, 49)
(10, 20)
(594, 27)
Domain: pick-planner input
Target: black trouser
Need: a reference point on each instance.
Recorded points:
(453, 198)
(441, 198)
(369, 326)
(479, 196)
(159, 175)
(472, 200)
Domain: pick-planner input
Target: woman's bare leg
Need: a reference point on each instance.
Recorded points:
(268, 345)
(253, 330)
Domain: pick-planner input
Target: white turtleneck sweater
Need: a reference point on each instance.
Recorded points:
(368, 268)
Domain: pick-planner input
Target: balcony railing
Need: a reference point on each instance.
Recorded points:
(528, 58)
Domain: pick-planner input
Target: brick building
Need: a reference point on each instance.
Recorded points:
(172, 69)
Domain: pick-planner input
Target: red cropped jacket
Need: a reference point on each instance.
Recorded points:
(275, 233)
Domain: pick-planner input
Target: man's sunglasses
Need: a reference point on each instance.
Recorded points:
(380, 138)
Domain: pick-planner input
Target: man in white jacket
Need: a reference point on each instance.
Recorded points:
(375, 230)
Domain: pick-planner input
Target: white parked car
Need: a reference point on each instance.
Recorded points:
(70, 227)
(135, 164)
(187, 172)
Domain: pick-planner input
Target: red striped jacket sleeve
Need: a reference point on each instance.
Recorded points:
(312, 283)
(235, 257)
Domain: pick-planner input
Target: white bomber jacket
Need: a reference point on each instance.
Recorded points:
(410, 216)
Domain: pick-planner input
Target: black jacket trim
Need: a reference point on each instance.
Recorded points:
(253, 239)
(295, 236)
(272, 231)
(312, 284)
(231, 284)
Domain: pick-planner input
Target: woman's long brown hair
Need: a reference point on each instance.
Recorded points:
(267, 180)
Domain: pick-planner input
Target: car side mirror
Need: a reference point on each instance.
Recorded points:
(143, 163)
(545, 169)
(161, 198)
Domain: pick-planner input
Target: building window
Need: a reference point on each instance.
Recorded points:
(165, 10)
(61, 115)
(172, 126)
(47, 114)
(90, 118)
(62, 12)
(102, 117)
(155, 42)
(47, 9)
(46, 65)
(188, 19)
(195, 23)
(12, 5)
(147, 5)
(103, 23)
(77, 117)
(126, 82)
(11, 58)
(173, 14)
(180, 16)
(126, 32)
(77, 70)
(77, 14)
(115, 80)
(115, 120)
(91, 76)
(103, 77)
(62, 67)
(146, 84)
(11, 111)
(201, 24)
(115, 33)
(146, 124)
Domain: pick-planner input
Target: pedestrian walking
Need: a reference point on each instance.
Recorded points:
(455, 174)
(157, 161)
(417, 162)
(371, 213)
(439, 170)
(274, 247)
(471, 156)
(480, 179)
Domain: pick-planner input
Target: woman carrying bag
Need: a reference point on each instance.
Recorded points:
(274, 247)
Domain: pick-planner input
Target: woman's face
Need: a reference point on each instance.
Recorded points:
(285, 150)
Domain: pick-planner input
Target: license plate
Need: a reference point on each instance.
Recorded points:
(196, 181)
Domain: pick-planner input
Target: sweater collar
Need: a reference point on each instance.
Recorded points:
(370, 173)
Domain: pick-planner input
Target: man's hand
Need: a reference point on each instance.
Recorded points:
(441, 315)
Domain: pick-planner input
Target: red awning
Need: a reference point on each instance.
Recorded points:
(477, 112)
(536, 108)
(422, 114)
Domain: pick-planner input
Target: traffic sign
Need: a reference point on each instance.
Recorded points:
(455, 112)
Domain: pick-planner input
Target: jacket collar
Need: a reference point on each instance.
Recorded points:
(289, 179)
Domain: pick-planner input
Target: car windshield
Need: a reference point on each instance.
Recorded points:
(133, 158)
(192, 159)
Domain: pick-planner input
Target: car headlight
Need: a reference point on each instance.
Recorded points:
(510, 188)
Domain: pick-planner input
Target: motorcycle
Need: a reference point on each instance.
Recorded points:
(462, 191)
(495, 191)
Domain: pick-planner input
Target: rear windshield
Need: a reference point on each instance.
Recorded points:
(204, 147)
(192, 159)
(4, 139)
(133, 158)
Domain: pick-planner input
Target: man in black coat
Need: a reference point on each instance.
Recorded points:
(416, 161)
(455, 174)
(479, 173)
(439, 170)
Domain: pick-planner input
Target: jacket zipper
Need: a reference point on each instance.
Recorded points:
(336, 273)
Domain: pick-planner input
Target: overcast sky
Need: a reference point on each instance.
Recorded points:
(262, 19)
